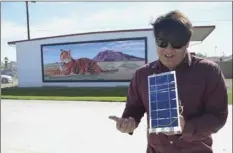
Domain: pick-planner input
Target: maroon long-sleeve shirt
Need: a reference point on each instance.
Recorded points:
(203, 95)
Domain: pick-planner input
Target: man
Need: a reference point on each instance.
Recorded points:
(201, 90)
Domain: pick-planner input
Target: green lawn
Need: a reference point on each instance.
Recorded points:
(62, 93)
(230, 95)
(73, 94)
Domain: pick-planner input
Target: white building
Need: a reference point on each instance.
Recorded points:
(136, 45)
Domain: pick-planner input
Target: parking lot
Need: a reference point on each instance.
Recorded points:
(77, 127)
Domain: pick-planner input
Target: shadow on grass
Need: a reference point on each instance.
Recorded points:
(67, 91)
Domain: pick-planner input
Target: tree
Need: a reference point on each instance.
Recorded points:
(200, 55)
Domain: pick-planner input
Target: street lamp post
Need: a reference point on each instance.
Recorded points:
(27, 14)
(215, 53)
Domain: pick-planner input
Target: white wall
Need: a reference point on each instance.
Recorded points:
(29, 57)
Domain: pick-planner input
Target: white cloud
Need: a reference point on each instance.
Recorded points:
(220, 37)
(52, 3)
(137, 15)
(139, 12)
(55, 26)
(10, 32)
(200, 5)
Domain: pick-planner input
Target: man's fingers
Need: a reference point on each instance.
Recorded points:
(130, 127)
(124, 125)
(114, 118)
(133, 123)
(119, 123)
(169, 133)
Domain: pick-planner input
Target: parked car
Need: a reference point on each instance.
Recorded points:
(9, 72)
(6, 79)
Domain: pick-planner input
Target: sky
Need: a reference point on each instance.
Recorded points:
(58, 18)
(51, 53)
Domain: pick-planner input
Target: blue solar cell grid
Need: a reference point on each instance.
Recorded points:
(163, 100)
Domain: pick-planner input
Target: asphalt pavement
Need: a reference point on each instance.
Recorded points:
(30, 126)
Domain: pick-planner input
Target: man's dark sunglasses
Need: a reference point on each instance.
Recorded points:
(163, 44)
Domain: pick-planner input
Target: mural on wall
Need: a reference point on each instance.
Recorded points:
(95, 61)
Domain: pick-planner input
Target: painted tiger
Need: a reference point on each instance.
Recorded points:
(79, 66)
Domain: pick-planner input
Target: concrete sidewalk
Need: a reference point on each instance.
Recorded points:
(76, 127)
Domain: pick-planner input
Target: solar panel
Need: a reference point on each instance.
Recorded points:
(163, 103)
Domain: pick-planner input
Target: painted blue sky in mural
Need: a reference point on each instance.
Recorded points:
(51, 54)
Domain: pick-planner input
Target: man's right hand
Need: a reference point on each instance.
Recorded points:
(124, 125)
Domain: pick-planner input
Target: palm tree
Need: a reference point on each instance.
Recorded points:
(6, 62)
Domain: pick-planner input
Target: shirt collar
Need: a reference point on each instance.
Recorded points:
(187, 61)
